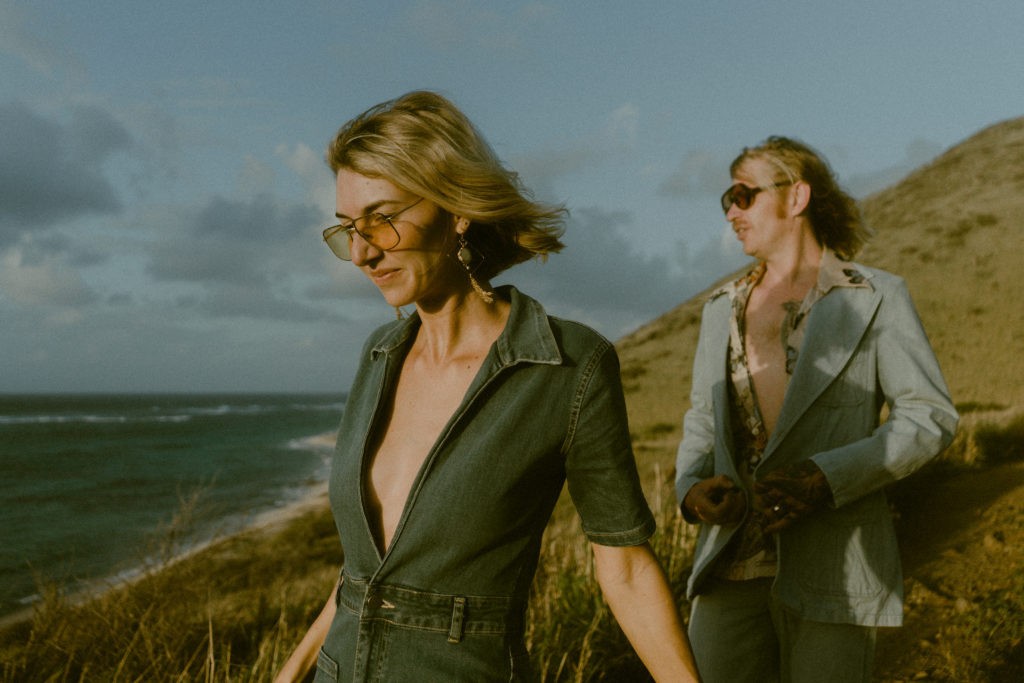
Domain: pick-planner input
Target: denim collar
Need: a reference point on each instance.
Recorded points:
(527, 337)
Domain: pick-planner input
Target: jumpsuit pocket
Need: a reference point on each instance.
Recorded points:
(326, 666)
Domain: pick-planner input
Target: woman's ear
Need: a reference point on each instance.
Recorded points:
(461, 225)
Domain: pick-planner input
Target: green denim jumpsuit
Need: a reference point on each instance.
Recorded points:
(446, 601)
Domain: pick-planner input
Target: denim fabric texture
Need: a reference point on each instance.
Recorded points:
(446, 600)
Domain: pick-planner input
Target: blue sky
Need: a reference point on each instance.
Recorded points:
(162, 184)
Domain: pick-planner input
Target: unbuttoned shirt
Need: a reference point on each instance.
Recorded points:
(546, 407)
(751, 553)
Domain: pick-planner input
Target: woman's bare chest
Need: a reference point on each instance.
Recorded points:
(423, 404)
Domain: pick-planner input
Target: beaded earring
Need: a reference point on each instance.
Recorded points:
(466, 257)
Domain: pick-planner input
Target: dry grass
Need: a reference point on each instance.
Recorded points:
(235, 611)
(571, 634)
(229, 613)
(961, 525)
(952, 229)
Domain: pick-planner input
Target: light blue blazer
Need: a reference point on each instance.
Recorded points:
(863, 347)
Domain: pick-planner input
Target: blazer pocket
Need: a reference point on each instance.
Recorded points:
(847, 557)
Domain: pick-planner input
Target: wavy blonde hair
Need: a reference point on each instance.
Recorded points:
(423, 144)
(833, 214)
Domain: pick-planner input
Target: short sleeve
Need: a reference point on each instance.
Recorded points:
(600, 466)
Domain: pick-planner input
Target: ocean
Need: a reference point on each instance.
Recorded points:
(92, 485)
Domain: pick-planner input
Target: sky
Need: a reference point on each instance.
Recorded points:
(163, 186)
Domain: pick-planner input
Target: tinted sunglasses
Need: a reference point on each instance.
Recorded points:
(376, 228)
(743, 196)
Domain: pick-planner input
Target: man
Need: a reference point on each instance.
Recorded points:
(784, 460)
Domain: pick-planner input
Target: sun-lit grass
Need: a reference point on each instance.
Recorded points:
(986, 642)
(228, 613)
(235, 611)
(571, 634)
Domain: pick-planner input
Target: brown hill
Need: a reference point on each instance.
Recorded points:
(953, 230)
(234, 611)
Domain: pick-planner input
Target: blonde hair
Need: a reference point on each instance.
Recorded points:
(423, 144)
(834, 216)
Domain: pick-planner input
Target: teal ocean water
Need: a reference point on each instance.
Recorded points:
(91, 484)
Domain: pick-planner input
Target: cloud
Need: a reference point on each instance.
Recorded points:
(52, 171)
(255, 177)
(601, 279)
(260, 220)
(312, 169)
(617, 134)
(623, 124)
(700, 172)
(130, 349)
(246, 258)
(228, 240)
(542, 169)
(235, 300)
(42, 56)
(452, 24)
(302, 160)
(207, 262)
(31, 278)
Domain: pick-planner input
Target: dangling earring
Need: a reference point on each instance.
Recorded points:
(465, 256)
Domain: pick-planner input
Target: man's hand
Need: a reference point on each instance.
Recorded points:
(716, 501)
(785, 496)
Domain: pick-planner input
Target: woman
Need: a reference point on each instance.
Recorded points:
(463, 422)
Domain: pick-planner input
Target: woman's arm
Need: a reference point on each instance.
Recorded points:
(304, 657)
(639, 595)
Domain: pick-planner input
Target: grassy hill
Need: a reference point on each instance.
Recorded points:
(953, 229)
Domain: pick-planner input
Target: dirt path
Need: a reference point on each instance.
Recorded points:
(962, 540)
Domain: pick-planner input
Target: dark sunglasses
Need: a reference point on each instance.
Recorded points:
(743, 196)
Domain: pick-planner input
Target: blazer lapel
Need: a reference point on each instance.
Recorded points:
(718, 342)
(834, 331)
(715, 325)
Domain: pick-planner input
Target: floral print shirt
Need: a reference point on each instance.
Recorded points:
(751, 553)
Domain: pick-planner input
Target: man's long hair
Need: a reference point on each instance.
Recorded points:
(833, 214)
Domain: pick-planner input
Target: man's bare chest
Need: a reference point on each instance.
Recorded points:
(768, 322)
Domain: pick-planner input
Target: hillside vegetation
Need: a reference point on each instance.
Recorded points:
(952, 229)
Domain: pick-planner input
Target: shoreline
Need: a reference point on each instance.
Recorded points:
(263, 523)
